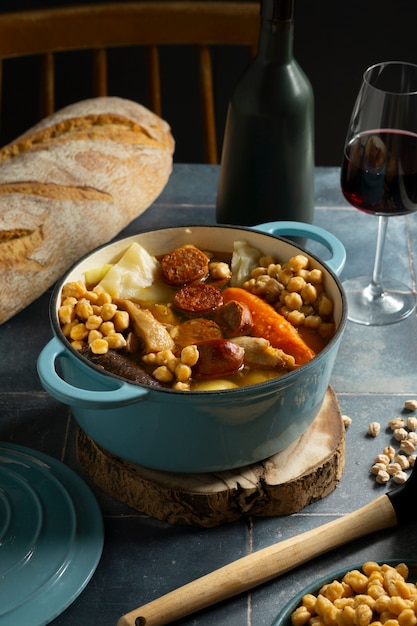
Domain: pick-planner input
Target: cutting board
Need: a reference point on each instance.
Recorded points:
(306, 471)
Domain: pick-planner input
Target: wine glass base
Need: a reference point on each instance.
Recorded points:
(364, 307)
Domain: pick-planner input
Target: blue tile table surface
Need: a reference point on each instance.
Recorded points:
(143, 558)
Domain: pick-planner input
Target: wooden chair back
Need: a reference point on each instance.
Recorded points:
(100, 27)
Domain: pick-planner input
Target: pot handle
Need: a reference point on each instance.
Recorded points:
(309, 231)
(122, 394)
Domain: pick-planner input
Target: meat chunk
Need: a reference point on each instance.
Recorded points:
(234, 319)
(260, 354)
(153, 334)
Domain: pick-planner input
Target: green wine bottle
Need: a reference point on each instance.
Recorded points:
(267, 164)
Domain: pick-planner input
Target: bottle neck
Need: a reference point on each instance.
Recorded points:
(276, 31)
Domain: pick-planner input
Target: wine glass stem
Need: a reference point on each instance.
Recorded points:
(375, 286)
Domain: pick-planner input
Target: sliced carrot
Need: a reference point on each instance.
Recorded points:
(271, 325)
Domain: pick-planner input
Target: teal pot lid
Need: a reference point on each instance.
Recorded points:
(51, 536)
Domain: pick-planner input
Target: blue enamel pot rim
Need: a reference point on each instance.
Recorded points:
(266, 230)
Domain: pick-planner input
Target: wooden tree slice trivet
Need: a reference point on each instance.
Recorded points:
(307, 470)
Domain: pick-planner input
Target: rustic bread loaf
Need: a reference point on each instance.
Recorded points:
(72, 183)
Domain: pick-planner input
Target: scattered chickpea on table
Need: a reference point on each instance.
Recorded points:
(391, 463)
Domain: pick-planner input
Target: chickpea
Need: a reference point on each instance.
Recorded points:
(284, 276)
(298, 262)
(315, 276)
(66, 328)
(102, 296)
(93, 322)
(115, 341)
(182, 372)
(107, 328)
(83, 309)
(108, 310)
(325, 306)
(293, 301)
(79, 332)
(309, 293)
(74, 290)
(66, 313)
(189, 355)
(93, 335)
(296, 283)
(312, 321)
(219, 270)
(296, 318)
(163, 374)
(379, 596)
(99, 346)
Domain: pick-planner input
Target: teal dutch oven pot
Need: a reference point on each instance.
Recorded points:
(201, 431)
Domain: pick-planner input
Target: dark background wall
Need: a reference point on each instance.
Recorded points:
(334, 42)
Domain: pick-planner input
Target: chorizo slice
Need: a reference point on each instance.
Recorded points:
(182, 266)
(218, 357)
(198, 299)
(234, 318)
(196, 330)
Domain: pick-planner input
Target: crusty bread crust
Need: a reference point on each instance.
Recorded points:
(72, 183)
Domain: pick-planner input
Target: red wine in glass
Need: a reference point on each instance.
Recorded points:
(379, 177)
(379, 172)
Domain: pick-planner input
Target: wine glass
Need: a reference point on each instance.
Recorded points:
(379, 176)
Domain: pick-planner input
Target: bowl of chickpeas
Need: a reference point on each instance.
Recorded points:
(198, 348)
(370, 593)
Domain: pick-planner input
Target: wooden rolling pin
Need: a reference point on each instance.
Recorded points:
(386, 511)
